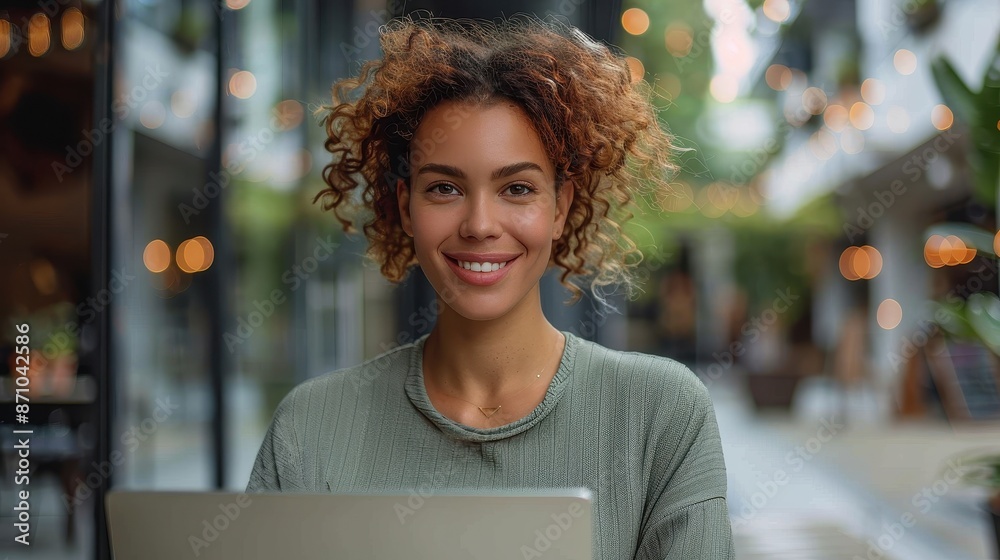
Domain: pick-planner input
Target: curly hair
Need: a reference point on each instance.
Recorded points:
(599, 129)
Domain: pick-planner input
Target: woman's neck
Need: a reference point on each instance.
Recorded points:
(483, 360)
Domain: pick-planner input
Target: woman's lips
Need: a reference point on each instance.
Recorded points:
(480, 278)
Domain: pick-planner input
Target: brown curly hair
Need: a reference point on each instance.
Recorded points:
(599, 128)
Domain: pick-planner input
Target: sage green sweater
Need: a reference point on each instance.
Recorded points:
(638, 430)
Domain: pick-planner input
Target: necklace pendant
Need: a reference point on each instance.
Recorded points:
(488, 410)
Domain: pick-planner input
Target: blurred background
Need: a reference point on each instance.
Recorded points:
(826, 262)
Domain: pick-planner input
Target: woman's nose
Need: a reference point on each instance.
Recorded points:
(481, 219)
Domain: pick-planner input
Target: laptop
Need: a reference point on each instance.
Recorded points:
(437, 524)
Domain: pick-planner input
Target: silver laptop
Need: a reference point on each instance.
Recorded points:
(498, 525)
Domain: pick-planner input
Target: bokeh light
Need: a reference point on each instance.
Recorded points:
(942, 117)
(860, 263)
(242, 84)
(289, 113)
(862, 116)
(39, 37)
(195, 255)
(889, 314)
(847, 263)
(873, 91)
(678, 38)
(778, 77)
(776, 10)
(72, 29)
(152, 114)
(836, 117)
(814, 100)
(635, 68)
(156, 255)
(904, 61)
(931, 251)
(635, 21)
(724, 88)
(5, 39)
(678, 199)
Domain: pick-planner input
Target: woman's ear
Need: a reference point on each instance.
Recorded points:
(403, 198)
(563, 201)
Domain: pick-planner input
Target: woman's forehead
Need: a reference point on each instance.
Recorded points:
(478, 136)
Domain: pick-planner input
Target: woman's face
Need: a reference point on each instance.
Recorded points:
(482, 193)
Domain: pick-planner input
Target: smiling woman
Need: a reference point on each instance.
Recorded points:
(486, 153)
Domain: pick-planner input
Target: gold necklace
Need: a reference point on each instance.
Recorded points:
(489, 411)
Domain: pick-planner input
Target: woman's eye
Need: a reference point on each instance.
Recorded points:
(435, 188)
(520, 189)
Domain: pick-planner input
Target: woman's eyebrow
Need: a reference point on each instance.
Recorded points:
(500, 173)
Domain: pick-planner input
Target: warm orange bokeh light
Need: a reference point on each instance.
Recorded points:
(5, 40)
(905, 62)
(635, 68)
(862, 116)
(860, 263)
(678, 38)
(874, 262)
(242, 84)
(72, 29)
(195, 255)
(156, 255)
(873, 91)
(996, 244)
(932, 251)
(778, 77)
(836, 118)
(776, 10)
(889, 314)
(847, 263)
(635, 21)
(941, 117)
(39, 37)
(207, 250)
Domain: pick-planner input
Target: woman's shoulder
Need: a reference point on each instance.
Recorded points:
(639, 374)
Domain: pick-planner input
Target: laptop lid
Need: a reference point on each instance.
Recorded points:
(498, 525)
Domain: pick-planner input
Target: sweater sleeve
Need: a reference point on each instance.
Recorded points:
(278, 467)
(686, 516)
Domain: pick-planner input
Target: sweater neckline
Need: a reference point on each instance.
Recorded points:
(417, 393)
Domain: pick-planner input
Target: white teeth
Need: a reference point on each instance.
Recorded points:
(482, 267)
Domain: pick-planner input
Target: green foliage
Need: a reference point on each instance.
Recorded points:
(980, 112)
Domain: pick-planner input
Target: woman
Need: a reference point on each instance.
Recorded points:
(486, 153)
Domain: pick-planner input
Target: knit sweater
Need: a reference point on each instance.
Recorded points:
(638, 430)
